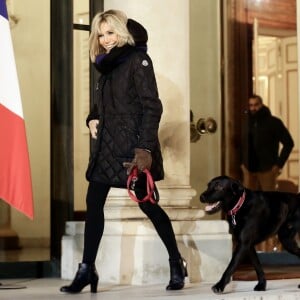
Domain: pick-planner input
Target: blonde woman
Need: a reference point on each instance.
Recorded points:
(123, 123)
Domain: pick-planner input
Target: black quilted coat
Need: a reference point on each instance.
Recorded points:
(128, 108)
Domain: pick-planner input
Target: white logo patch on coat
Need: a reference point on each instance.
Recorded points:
(145, 63)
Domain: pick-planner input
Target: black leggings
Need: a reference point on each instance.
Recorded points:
(94, 223)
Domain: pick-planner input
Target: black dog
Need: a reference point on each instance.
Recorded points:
(253, 216)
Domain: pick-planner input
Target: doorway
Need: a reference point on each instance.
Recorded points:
(238, 77)
(275, 79)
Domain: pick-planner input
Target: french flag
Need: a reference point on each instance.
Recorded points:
(15, 176)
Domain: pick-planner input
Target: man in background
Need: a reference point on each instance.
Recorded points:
(262, 156)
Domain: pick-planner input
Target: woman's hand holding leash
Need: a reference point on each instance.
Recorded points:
(141, 163)
(142, 160)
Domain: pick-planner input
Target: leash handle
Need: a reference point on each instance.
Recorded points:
(131, 180)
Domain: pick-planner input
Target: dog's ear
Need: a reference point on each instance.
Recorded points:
(236, 187)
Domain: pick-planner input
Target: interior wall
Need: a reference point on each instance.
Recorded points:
(31, 41)
(280, 14)
(277, 75)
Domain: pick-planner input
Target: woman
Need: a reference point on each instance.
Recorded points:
(124, 123)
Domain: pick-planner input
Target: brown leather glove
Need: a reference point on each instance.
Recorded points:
(142, 159)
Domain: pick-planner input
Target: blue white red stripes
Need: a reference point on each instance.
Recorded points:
(15, 176)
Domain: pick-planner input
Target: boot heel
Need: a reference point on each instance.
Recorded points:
(178, 271)
(85, 275)
(94, 286)
(184, 264)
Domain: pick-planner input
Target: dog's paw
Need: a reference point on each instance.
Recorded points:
(261, 286)
(218, 288)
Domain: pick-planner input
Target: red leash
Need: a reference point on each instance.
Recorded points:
(152, 194)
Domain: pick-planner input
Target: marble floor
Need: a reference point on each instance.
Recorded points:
(48, 288)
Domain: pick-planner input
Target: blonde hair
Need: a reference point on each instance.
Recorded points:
(117, 20)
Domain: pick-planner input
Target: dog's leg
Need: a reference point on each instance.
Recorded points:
(237, 255)
(287, 237)
(262, 283)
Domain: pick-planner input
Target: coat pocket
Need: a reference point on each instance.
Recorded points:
(126, 139)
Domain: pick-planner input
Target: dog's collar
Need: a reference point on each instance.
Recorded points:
(237, 207)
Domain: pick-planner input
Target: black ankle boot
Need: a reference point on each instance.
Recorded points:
(85, 275)
(178, 272)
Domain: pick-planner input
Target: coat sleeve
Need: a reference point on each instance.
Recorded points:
(287, 142)
(94, 107)
(146, 88)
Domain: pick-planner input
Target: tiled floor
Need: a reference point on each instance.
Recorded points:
(40, 289)
(48, 288)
